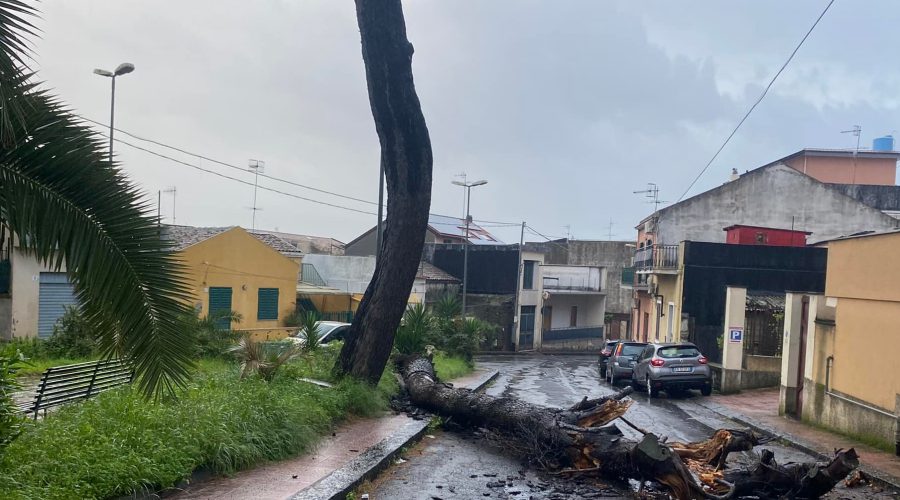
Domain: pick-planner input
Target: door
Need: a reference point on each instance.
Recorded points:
(220, 306)
(801, 358)
(526, 327)
(546, 319)
(670, 323)
(646, 327)
(55, 294)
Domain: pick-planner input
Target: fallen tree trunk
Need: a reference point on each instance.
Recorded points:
(578, 440)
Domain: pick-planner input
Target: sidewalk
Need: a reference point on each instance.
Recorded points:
(759, 408)
(350, 442)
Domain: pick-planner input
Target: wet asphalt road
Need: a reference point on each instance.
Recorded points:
(454, 465)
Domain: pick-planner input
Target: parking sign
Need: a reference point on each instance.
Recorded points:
(736, 334)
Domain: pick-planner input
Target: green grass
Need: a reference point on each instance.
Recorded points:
(868, 439)
(118, 443)
(449, 368)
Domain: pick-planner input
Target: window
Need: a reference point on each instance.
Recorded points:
(220, 306)
(678, 351)
(761, 238)
(526, 320)
(528, 275)
(267, 304)
(448, 241)
(573, 316)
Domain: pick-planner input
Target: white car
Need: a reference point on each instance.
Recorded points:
(328, 331)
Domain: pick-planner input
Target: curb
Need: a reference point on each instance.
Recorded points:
(882, 479)
(376, 459)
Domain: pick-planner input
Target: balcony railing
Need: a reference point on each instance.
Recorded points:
(656, 257)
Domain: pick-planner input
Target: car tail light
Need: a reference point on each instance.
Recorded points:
(606, 352)
(702, 360)
(657, 362)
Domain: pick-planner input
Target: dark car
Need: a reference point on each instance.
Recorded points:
(622, 360)
(605, 354)
(672, 367)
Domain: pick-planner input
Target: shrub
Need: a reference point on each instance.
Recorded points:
(448, 306)
(310, 333)
(72, 337)
(263, 358)
(448, 367)
(465, 337)
(294, 319)
(415, 331)
(10, 419)
(210, 339)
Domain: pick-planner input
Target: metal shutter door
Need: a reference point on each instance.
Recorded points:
(55, 293)
(220, 303)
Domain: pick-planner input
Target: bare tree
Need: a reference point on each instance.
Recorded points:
(407, 161)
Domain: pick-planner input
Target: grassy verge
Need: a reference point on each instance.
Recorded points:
(449, 368)
(38, 366)
(118, 443)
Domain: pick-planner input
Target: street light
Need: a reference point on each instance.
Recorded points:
(468, 186)
(122, 69)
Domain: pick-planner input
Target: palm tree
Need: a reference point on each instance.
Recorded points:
(68, 202)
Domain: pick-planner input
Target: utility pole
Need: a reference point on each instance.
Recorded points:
(468, 186)
(516, 314)
(257, 167)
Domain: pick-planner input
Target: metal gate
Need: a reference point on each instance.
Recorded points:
(54, 295)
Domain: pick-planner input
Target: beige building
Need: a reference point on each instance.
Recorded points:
(839, 367)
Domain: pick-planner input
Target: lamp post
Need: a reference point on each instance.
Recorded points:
(122, 69)
(468, 186)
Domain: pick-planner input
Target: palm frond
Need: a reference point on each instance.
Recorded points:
(68, 203)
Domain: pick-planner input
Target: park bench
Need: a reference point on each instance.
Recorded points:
(62, 384)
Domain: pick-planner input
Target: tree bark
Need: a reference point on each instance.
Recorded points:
(578, 440)
(407, 160)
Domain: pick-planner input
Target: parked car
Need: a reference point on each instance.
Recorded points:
(605, 354)
(328, 331)
(621, 361)
(671, 367)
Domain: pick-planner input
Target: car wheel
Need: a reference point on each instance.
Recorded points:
(652, 392)
(706, 390)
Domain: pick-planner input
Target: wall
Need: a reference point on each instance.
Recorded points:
(844, 170)
(364, 245)
(353, 274)
(492, 268)
(496, 310)
(22, 303)
(590, 309)
(613, 255)
(236, 259)
(773, 196)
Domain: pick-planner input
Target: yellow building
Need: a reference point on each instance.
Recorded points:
(839, 368)
(253, 274)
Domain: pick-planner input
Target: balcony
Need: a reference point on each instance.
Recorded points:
(656, 258)
(572, 279)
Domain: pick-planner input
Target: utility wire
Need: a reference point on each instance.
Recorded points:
(761, 96)
(229, 165)
(219, 174)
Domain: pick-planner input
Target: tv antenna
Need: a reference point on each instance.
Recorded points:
(172, 190)
(462, 175)
(610, 229)
(652, 192)
(856, 131)
(257, 167)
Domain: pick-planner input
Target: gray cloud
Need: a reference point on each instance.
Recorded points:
(565, 107)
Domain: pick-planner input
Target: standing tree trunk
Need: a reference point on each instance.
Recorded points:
(407, 161)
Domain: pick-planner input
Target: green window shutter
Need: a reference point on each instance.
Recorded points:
(268, 304)
(220, 304)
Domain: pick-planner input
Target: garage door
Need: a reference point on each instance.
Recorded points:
(56, 293)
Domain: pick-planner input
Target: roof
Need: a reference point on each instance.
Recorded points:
(185, 236)
(433, 273)
(311, 244)
(735, 226)
(764, 301)
(861, 234)
(845, 153)
(449, 226)
(885, 198)
(455, 227)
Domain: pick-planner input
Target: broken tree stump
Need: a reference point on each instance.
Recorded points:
(579, 440)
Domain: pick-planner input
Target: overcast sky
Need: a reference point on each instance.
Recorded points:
(565, 107)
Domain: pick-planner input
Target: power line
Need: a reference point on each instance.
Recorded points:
(761, 96)
(235, 167)
(219, 174)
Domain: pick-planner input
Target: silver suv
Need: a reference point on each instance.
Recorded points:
(621, 360)
(671, 367)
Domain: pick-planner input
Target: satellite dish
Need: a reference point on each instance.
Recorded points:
(545, 295)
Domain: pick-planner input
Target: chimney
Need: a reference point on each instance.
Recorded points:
(734, 175)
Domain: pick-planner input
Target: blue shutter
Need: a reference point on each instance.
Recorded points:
(55, 293)
(220, 303)
(267, 308)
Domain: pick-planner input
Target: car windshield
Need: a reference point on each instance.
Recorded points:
(631, 349)
(678, 351)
